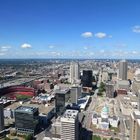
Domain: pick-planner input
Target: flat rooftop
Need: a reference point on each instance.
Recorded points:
(64, 91)
(124, 82)
(26, 109)
(137, 113)
(41, 107)
(70, 114)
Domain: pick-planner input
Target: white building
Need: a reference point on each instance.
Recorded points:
(69, 125)
(74, 72)
(123, 84)
(103, 121)
(114, 121)
(137, 75)
(75, 93)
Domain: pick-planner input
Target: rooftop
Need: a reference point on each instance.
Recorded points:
(70, 114)
(136, 114)
(123, 82)
(138, 120)
(64, 91)
(26, 109)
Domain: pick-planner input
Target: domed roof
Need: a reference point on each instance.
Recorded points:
(105, 109)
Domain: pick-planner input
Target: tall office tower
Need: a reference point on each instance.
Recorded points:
(139, 100)
(70, 125)
(135, 125)
(1, 117)
(74, 72)
(75, 93)
(123, 70)
(87, 78)
(26, 119)
(110, 90)
(61, 99)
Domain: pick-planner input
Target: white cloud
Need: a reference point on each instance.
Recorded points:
(136, 29)
(85, 48)
(26, 45)
(100, 35)
(87, 34)
(51, 46)
(134, 52)
(4, 48)
(121, 45)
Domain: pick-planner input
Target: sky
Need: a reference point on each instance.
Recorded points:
(70, 29)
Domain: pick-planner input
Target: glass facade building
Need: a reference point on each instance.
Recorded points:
(26, 119)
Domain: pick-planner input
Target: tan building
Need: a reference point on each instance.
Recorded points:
(135, 126)
(74, 72)
(123, 70)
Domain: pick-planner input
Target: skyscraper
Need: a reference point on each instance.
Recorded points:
(110, 90)
(70, 125)
(74, 72)
(75, 93)
(87, 78)
(61, 98)
(1, 117)
(135, 125)
(26, 119)
(123, 70)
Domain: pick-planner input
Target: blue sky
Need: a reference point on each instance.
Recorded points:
(69, 29)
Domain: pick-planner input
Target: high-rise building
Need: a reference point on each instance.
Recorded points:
(61, 99)
(70, 125)
(135, 125)
(139, 100)
(75, 93)
(74, 72)
(26, 119)
(1, 117)
(123, 70)
(87, 78)
(110, 90)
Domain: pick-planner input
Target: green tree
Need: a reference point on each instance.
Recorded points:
(7, 138)
(95, 137)
(101, 89)
(29, 137)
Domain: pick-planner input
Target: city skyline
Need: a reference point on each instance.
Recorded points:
(70, 29)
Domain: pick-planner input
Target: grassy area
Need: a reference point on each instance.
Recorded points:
(116, 130)
(22, 97)
(95, 137)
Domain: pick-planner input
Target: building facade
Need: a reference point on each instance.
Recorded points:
(1, 117)
(87, 78)
(70, 125)
(123, 70)
(74, 72)
(135, 125)
(110, 90)
(75, 93)
(26, 119)
(61, 98)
